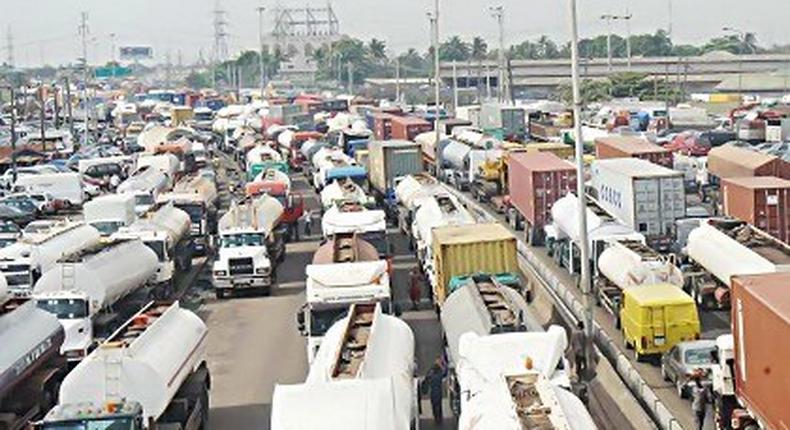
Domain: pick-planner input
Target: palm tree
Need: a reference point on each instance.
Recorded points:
(378, 49)
(454, 49)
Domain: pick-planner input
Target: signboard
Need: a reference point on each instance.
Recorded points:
(135, 53)
(112, 72)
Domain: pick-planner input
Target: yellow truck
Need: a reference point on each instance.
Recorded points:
(462, 251)
(654, 318)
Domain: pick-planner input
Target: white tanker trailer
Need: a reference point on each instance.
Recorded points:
(365, 358)
(84, 290)
(440, 210)
(151, 373)
(411, 192)
(720, 249)
(630, 263)
(344, 190)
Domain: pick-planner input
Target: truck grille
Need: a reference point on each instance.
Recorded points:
(241, 266)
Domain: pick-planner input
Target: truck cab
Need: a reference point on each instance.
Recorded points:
(243, 262)
(74, 311)
(126, 415)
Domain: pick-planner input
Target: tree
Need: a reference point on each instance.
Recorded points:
(479, 48)
(413, 64)
(198, 80)
(454, 49)
(378, 49)
(546, 48)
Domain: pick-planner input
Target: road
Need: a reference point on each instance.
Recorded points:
(254, 344)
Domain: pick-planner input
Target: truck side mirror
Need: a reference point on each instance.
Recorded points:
(300, 321)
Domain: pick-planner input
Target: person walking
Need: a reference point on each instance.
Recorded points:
(577, 345)
(415, 288)
(307, 219)
(700, 397)
(435, 381)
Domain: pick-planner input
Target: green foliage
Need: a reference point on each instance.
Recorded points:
(198, 80)
(454, 49)
(619, 85)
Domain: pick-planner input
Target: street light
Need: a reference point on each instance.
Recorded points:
(434, 17)
(609, 18)
(260, 10)
(10, 89)
(498, 12)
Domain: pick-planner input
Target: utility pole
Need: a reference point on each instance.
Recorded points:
(586, 285)
(608, 18)
(350, 76)
(84, 34)
(55, 106)
(9, 40)
(220, 40)
(488, 82)
(68, 105)
(455, 87)
(436, 74)
(627, 19)
(13, 129)
(260, 10)
(397, 79)
(42, 112)
(498, 12)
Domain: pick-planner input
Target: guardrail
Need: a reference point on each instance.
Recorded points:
(573, 309)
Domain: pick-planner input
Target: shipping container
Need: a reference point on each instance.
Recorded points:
(392, 159)
(762, 201)
(632, 147)
(730, 161)
(564, 151)
(447, 125)
(761, 327)
(645, 196)
(382, 125)
(465, 250)
(408, 127)
(504, 122)
(537, 180)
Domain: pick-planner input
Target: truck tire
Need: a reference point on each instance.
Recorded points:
(220, 293)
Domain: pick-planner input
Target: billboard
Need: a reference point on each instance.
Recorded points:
(135, 53)
(112, 72)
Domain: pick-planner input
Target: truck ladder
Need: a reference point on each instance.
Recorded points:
(67, 276)
(501, 311)
(353, 349)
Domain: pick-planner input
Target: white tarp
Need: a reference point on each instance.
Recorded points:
(334, 221)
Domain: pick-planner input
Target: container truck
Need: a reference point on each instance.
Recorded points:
(536, 181)
(151, 373)
(562, 236)
(350, 217)
(389, 162)
(645, 196)
(198, 197)
(730, 161)
(411, 192)
(166, 232)
(366, 358)
(32, 366)
(344, 270)
(763, 202)
(461, 251)
(720, 249)
(441, 209)
(627, 264)
(632, 147)
(517, 381)
(430, 149)
(502, 121)
(25, 261)
(251, 244)
(342, 191)
(110, 212)
(749, 382)
(84, 290)
(408, 127)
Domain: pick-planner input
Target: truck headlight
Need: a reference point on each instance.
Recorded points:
(262, 271)
(220, 273)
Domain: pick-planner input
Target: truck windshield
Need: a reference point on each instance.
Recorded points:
(195, 212)
(144, 199)
(105, 424)
(158, 247)
(379, 240)
(321, 320)
(242, 239)
(64, 308)
(106, 228)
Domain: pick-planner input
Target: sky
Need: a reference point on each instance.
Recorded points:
(46, 31)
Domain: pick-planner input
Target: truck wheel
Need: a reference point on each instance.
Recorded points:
(638, 357)
(680, 389)
(220, 293)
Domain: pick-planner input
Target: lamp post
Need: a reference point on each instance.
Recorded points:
(260, 47)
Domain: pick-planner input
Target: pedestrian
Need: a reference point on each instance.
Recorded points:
(415, 288)
(307, 219)
(435, 381)
(577, 344)
(700, 397)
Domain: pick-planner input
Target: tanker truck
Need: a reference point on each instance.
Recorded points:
(250, 246)
(277, 184)
(198, 197)
(85, 291)
(25, 261)
(151, 373)
(411, 192)
(31, 368)
(351, 217)
(453, 159)
(344, 190)
(366, 358)
(146, 184)
(630, 263)
(437, 211)
(344, 270)
(484, 306)
(516, 381)
(166, 232)
(262, 157)
(722, 248)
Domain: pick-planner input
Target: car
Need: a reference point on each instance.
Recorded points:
(686, 360)
(9, 233)
(45, 202)
(17, 216)
(24, 204)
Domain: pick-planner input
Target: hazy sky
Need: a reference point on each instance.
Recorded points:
(46, 30)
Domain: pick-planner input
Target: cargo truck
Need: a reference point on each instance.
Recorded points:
(517, 380)
(344, 271)
(763, 202)
(441, 209)
(198, 197)
(350, 217)
(85, 291)
(366, 358)
(749, 380)
(151, 373)
(166, 232)
(646, 197)
(25, 261)
(629, 264)
(110, 212)
(389, 162)
(32, 366)
(251, 244)
(461, 251)
(722, 248)
(535, 182)
(453, 162)
(502, 121)
(632, 147)
(408, 127)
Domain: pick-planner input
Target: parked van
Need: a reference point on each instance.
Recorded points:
(67, 187)
(656, 317)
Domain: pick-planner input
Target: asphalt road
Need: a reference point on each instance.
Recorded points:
(254, 344)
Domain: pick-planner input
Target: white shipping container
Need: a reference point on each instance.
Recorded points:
(645, 196)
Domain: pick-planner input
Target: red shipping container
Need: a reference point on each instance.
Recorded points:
(632, 147)
(408, 127)
(730, 161)
(761, 329)
(763, 201)
(382, 126)
(536, 180)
